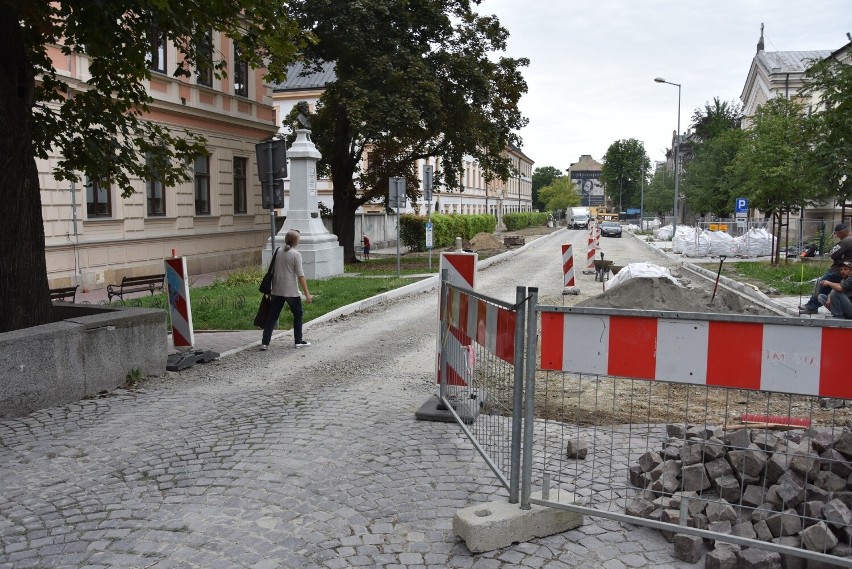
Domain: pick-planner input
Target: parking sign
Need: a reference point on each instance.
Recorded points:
(742, 205)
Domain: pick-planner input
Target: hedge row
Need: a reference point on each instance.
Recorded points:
(515, 221)
(445, 229)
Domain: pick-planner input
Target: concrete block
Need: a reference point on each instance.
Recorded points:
(497, 524)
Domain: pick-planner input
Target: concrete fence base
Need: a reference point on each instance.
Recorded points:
(86, 350)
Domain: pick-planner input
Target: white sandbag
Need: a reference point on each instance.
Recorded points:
(640, 270)
(663, 233)
(651, 223)
(698, 245)
(721, 243)
(686, 238)
(757, 242)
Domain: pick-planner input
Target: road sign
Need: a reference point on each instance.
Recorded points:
(428, 234)
(428, 171)
(742, 205)
(396, 197)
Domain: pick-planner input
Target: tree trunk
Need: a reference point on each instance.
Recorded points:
(24, 299)
(346, 201)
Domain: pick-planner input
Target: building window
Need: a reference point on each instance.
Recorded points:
(98, 199)
(240, 167)
(156, 56)
(241, 74)
(156, 198)
(202, 185)
(204, 68)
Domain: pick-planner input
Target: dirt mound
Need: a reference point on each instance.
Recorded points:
(485, 241)
(663, 294)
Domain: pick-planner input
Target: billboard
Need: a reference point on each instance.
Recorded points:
(589, 187)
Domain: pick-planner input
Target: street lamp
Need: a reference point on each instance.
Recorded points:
(677, 153)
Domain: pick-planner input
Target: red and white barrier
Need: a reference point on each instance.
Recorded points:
(489, 325)
(568, 266)
(180, 309)
(461, 269)
(590, 257)
(743, 355)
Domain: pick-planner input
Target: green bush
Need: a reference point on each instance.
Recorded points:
(515, 221)
(445, 229)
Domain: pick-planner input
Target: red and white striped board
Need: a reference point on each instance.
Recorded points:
(568, 265)
(590, 257)
(471, 320)
(180, 309)
(744, 355)
(461, 268)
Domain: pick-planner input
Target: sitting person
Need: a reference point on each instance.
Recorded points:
(839, 253)
(839, 301)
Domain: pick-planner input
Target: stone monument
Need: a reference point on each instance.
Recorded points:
(322, 256)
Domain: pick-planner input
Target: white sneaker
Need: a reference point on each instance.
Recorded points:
(302, 344)
(264, 347)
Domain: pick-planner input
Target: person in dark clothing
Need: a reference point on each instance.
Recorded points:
(839, 253)
(839, 301)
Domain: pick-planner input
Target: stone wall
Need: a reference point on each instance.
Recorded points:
(86, 350)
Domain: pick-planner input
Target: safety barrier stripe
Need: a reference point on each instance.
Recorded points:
(489, 325)
(743, 355)
(568, 265)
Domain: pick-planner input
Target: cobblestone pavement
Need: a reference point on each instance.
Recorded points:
(283, 459)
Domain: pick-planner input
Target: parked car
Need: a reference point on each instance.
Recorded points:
(611, 229)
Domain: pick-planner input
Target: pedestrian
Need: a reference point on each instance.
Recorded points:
(839, 301)
(288, 276)
(366, 248)
(839, 253)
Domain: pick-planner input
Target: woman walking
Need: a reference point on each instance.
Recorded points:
(286, 278)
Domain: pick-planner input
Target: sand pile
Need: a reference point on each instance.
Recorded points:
(484, 242)
(663, 294)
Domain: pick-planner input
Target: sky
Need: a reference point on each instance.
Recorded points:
(593, 64)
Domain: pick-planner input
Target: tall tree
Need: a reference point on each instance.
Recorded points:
(625, 162)
(775, 164)
(542, 177)
(99, 127)
(831, 125)
(707, 182)
(716, 118)
(659, 195)
(414, 80)
(559, 195)
(703, 182)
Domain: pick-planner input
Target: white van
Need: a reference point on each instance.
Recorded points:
(578, 217)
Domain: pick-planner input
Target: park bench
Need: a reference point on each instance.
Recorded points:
(63, 293)
(145, 283)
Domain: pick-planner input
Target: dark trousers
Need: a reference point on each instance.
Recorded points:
(275, 306)
(819, 289)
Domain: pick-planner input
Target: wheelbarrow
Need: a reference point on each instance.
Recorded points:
(602, 269)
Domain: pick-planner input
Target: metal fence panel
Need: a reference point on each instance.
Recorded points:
(729, 428)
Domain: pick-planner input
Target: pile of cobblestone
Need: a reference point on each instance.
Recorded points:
(790, 488)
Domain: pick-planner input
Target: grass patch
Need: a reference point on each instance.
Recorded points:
(231, 303)
(787, 278)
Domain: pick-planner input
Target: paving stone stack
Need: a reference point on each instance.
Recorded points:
(789, 487)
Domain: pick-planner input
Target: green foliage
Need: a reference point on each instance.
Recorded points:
(707, 182)
(445, 229)
(789, 278)
(716, 119)
(516, 221)
(559, 195)
(413, 80)
(774, 164)
(231, 304)
(541, 178)
(659, 194)
(625, 162)
(831, 125)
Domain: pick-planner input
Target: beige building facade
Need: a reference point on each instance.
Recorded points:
(94, 237)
